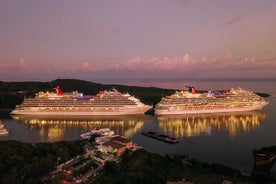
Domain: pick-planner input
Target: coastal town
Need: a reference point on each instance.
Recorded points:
(102, 146)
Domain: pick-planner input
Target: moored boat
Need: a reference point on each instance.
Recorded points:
(99, 131)
(162, 137)
(3, 130)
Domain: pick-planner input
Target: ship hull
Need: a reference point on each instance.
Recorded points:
(256, 106)
(137, 110)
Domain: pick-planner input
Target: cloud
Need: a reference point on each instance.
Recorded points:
(21, 61)
(187, 63)
(134, 63)
(175, 66)
(234, 20)
(86, 66)
(20, 66)
(254, 63)
(23, 70)
(115, 65)
(228, 56)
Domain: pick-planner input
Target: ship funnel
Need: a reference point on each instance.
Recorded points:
(59, 91)
(192, 89)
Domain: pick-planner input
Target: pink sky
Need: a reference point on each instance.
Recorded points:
(45, 40)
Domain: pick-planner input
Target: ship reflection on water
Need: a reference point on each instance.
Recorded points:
(59, 128)
(207, 124)
(56, 128)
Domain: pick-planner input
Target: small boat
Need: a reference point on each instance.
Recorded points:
(3, 130)
(162, 137)
(99, 131)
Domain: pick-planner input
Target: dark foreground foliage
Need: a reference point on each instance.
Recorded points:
(27, 163)
(144, 167)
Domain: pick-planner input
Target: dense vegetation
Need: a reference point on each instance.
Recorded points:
(31, 163)
(13, 93)
(144, 167)
(27, 163)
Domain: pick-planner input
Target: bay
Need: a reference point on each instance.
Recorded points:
(227, 138)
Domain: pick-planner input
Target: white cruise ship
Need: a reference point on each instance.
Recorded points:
(104, 103)
(192, 102)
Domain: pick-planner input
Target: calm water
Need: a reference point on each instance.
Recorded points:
(226, 138)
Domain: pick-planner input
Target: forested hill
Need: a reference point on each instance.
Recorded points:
(13, 93)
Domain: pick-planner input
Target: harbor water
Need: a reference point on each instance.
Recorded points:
(226, 138)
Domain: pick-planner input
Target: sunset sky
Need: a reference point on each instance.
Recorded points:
(96, 39)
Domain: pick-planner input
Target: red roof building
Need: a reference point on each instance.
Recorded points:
(116, 144)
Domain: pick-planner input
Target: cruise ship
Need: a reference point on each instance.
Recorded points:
(74, 103)
(193, 102)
